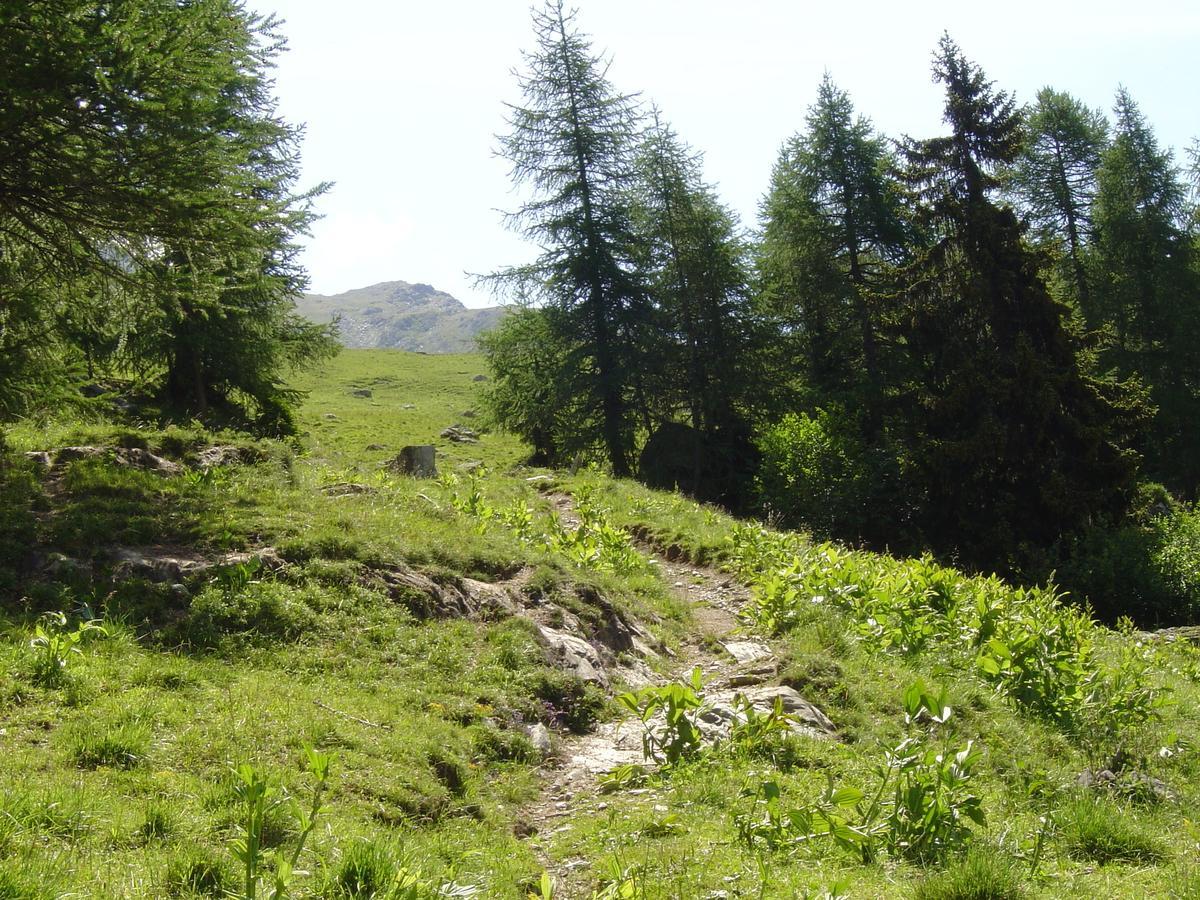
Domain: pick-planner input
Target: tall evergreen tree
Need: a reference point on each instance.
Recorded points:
(1016, 444)
(698, 279)
(572, 141)
(1148, 292)
(1055, 179)
(832, 224)
(136, 138)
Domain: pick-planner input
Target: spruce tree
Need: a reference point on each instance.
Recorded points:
(571, 140)
(1017, 446)
(698, 280)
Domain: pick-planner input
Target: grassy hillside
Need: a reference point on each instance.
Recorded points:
(398, 315)
(476, 654)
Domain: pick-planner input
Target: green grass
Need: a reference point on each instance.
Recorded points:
(121, 771)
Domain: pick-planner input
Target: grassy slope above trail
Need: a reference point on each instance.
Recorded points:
(118, 778)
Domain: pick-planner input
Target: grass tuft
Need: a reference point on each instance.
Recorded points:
(1103, 832)
(980, 875)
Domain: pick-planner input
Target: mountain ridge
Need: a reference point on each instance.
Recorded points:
(401, 315)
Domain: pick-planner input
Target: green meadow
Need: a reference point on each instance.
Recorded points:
(251, 679)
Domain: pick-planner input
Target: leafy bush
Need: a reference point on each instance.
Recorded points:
(1148, 571)
(817, 474)
(920, 809)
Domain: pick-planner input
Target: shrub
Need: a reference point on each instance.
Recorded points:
(816, 473)
(1149, 571)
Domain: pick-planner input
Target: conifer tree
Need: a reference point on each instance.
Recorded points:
(571, 140)
(142, 159)
(1016, 444)
(698, 280)
(1055, 179)
(832, 224)
(1148, 292)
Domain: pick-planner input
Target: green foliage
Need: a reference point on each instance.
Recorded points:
(122, 745)
(979, 875)
(817, 473)
(1046, 657)
(571, 140)
(181, 262)
(921, 808)
(677, 737)
(258, 795)
(1148, 570)
(53, 645)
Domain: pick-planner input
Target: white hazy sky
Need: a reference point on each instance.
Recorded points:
(402, 100)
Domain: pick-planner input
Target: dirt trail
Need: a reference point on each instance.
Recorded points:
(729, 657)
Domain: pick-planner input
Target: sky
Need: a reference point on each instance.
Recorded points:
(402, 100)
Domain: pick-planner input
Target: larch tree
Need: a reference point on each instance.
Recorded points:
(571, 142)
(1054, 179)
(1016, 444)
(832, 227)
(1148, 290)
(142, 159)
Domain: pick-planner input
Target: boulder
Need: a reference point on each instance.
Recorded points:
(460, 435)
(572, 654)
(419, 461)
(361, 392)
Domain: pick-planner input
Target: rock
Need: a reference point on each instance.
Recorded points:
(460, 435)
(425, 598)
(1133, 785)
(159, 567)
(1188, 633)
(375, 447)
(330, 417)
(138, 458)
(481, 378)
(419, 461)
(62, 567)
(793, 704)
(40, 458)
(572, 654)
(747, 651)
(489, 601)
(539, 736)
(226, 455)
(361, 392)
(722, 710)
(408, 406)
(468, 414)
(74, 454)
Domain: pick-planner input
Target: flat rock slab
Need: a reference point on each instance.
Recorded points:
(747, 651)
